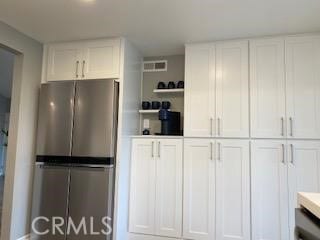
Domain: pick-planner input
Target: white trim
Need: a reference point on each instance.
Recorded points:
(26, 237)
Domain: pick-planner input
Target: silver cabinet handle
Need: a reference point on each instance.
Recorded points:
(282, 126)
(211, 129)
(83, 64)
(283, 154)
(219, 151)
(291, 126)
(152, 150)
(219, 126)
(292, 153)
(159, 144)
(211, 150)
(77, 69)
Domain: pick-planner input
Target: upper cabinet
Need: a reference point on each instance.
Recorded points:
(267, 88)
(216, 90)
(199, 90)
(97, 59)
(303, 86)
(232, 87)
(285, 87)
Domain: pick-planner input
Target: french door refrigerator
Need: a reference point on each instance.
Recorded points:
(75, 165)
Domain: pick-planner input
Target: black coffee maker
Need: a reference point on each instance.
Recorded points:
(170, 122)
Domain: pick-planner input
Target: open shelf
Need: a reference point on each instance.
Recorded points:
(174, 90)
(149, 111)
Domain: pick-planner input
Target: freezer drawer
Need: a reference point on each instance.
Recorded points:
(91, 197)
(50, 199)
(55, 119)
(95, 118)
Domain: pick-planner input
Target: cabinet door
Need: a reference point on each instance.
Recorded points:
(101, 59)
(142, 189)
(267, 88)
(304, 173)
(199, 190)
(199, 90)
(303, 86)
(232, 190)
(269, 191)
(64, 62)
(232, 87)
(169, 188)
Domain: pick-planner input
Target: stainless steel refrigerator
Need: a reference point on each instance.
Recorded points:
(75, 164)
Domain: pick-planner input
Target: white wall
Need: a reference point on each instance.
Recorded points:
(129, 119)
(21, 150)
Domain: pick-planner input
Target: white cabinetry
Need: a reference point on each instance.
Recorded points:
(216, 171)
(232, 89)
(285, 87)
(97, 59)
(156, 187)
(199, 189)
(267, 88)
(303, 86)
(199, 90)
(269, 190)
(216, 90)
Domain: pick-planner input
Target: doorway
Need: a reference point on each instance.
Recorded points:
(6, 79)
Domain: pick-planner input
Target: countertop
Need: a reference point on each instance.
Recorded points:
(310, 201)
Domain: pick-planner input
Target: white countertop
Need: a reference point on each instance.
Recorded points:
(310, 201)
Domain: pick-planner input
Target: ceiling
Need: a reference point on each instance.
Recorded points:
(160, 27)
(6, 70)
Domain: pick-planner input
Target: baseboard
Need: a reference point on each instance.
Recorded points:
(26, 237)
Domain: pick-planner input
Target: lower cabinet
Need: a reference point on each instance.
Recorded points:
(279, 170)
(216, 189)
(156, 187)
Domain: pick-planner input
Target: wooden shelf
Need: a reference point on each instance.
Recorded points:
(150, 111)
(174, 90)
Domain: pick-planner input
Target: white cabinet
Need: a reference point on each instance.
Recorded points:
(199, 189)
(97, 59)
(303, 86)
(143, 181)
(168, 211)
(101, 59)
(63, 61)
(267, 88)
(232, 89)
(216, 189)
(304, 173)
(156, 187)
(285, 87)
(232, 190)
(199, 90)
(269, 190)
(216, 90)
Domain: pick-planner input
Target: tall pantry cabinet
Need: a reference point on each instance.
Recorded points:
(285, 104)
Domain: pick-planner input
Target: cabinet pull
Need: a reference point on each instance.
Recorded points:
(159, 149)
(211, 128)
(219, 126)
(211, 150)
(83, 64)
(77, 69)
(282, 126)
(292, 153)
(219, 151)
(291, 126)
(152, 150)
(283, 154)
